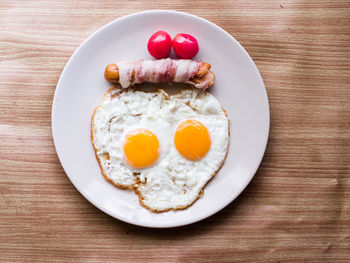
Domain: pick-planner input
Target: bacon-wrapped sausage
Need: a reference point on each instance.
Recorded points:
(196, 73)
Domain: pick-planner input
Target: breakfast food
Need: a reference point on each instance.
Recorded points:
(196, 73)
(185, 45)
(164, 147)
(159, 44)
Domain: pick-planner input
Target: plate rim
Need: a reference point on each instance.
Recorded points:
(188, 221)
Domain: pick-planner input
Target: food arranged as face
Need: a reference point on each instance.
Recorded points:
(164, 147)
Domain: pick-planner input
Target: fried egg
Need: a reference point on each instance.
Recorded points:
(165, 147)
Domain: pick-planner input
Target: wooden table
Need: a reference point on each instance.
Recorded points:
(296, 209)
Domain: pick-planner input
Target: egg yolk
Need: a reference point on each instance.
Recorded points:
(192, 140)
(141, 148)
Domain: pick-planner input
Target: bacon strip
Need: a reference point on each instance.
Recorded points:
(126, 74)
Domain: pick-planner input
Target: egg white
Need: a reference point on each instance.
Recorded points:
(173, 182)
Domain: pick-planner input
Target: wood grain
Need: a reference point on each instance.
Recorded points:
(297, 208)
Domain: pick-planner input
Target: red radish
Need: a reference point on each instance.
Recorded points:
(185, 45)
(159, 44)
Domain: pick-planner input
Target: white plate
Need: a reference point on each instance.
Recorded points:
(239, 87)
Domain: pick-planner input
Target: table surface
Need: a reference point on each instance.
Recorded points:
(296, 209)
